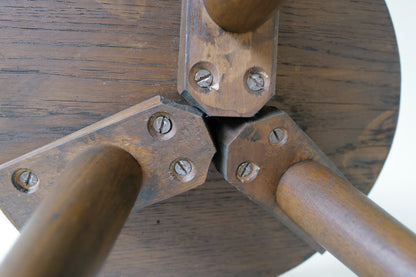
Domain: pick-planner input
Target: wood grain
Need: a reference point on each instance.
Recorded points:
(230, 58)
(73, 231)
(65, 65)
(248, 141)
(132, 130)
(346, 222)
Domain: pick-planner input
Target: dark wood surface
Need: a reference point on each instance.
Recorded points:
(65, 65)
(75, 227)
(346, 222)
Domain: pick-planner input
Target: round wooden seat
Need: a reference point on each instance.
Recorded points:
(65, 65)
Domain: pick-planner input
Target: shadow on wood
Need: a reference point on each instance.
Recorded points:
(74, 229)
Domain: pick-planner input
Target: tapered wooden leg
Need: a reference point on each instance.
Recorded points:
(241, 16)
(73, 230)
(347, 223)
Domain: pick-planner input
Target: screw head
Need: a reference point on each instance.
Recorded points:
(203, 78)
(29, 178)
(162, 125)
(25, 180)
(277, 135)
(255, 82)
(247, 171)
(182, 168)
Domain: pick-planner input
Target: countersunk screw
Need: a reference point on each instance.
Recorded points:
(162, 125)
(255, 82)
(28, 178)
(247, 171)
(277, 135)
(25, 180)
(203, 78)
(183, 168)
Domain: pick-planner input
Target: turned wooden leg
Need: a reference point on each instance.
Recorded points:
(74, 229)
(345, 222)
(241, 16)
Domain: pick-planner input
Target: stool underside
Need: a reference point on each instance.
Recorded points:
(65, 65)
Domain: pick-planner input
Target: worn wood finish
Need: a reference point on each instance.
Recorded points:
(132, 130)
(241, 15)
(347, 223)
(248, 145)
(73, 231)
(231, 59)
(65, 65)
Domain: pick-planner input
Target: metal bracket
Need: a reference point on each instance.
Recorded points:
(170, 142)
(254, 153)
(224, 73)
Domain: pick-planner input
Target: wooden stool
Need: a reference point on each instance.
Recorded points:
(65, 65)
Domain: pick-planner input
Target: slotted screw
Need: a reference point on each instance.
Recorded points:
(245, 170)
(28, 178)
(255, 82)
(183, 168)
(277, 135)
(25, 180)
(162, 125)
(203, 78)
